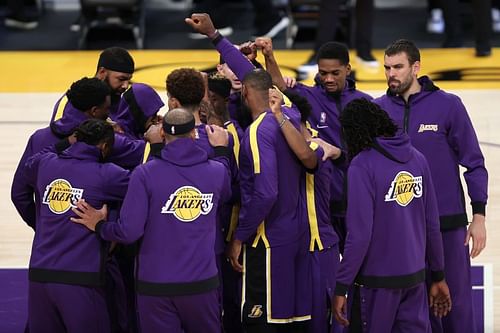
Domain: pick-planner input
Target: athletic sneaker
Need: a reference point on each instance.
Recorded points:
(495, 19)
(435, 22)
(226, 31)
(274, 29)
(308, 67)
(20, 22)
(367, 60)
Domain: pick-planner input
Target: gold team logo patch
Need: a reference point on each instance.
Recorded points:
(187, 203)
(404, 188)
(256, 312)
(60, 196)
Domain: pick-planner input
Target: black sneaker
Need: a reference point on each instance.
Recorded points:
(453, 43)
(20, 22)
(483, 52)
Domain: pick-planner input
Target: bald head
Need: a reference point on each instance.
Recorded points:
(178, 123)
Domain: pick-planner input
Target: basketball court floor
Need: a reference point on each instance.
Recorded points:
(31, 82)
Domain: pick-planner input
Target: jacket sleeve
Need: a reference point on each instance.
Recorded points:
(463, 140)
(434, 241)
(116, 181)
(22, 190)
(133, 214)
(263, 193)
(127, 153)
(359, 223)
(238, 63)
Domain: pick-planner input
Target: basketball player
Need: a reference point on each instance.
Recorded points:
(89, 98)
(315, 198)
(439, 127)
(186, 89)
(115, 68)
(68, 263)
(332, 90)
(392, 229)
(176, 218)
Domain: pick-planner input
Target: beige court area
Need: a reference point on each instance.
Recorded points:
(31, 82)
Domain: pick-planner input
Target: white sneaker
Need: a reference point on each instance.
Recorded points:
(226, 31)
(20, 23)
(495, 19)
(308, 68)
(368, 61)
(282, 24)
(435, 22)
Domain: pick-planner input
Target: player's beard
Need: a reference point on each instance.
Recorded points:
(115, 95)
(244, 114)
(402, 87)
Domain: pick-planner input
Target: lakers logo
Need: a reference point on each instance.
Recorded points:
(187, 203)
(256, 312)
(404, 188)
(60, 196)
(423, 128)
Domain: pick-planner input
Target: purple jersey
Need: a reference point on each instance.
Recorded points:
(125, 153)
(324, 118)
(440, 128)
(64, 252)
(225, 210)
(316, 198)
(171, 203)
(392, 219)
(270, 181)
(62, 105)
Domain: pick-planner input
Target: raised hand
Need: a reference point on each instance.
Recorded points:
(249, 50)
(202, 23)
(265, 44)
(275, 101)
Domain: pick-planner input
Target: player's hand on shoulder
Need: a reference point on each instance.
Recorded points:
(217, 136)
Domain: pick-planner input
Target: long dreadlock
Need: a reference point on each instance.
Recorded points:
(362, 121)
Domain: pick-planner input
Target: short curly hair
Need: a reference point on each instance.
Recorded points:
(187, 86)
(87, 93)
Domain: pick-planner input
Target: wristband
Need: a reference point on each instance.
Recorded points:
(282, 122)
(213, 35)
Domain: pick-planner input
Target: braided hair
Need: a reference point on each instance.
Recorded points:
(94, 132)
(362, 121)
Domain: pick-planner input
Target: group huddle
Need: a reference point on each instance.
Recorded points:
(256, 203)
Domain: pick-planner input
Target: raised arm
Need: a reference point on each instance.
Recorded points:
(238, 63)
(266, 45)
(293, 137)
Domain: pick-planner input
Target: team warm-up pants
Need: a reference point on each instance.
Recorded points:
(458, 277)
(180, 314)
(64, 308)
